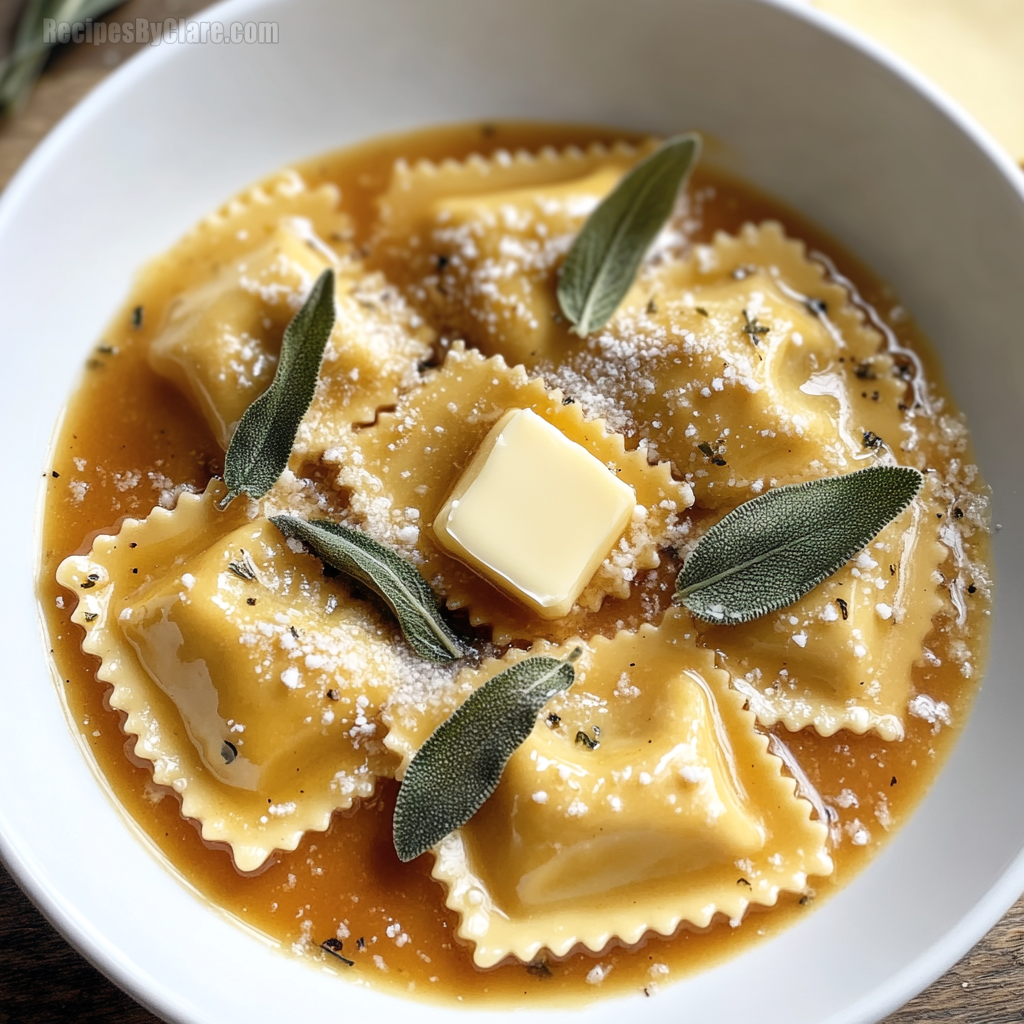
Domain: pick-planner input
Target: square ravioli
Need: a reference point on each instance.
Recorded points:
(399, 472)
(250, 680)
(842, 657)
(479, 241)
(644, 797)
(219, 339)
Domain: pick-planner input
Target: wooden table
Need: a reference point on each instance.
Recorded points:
(43, 980)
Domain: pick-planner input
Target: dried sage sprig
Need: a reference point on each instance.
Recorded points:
(397, 582)
(262, 442)
(770, 551)
(31, 46)
(600, 267)
(460, 765)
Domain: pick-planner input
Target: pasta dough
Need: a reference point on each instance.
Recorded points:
(255, 698)
(218, 344)
(671, 810)
(480, 241)
(739, 362)
(400, 471)
(744, 367)
(842, 656)
(220, 338)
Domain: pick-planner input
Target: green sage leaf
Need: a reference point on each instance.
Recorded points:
(23, 65)
(600, 267)
(770, 551)
(387, 574)
(262, 442)
(460, 765)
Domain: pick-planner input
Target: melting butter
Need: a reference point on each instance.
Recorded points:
(535, 513)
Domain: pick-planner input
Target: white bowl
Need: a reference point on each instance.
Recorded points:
(800, 106)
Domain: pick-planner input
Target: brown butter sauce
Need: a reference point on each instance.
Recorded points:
(124, 420)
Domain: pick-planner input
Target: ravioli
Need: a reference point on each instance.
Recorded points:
(733, 361)
(480, 240)
(242, 225)
(399, 472)
(254, 690)
(671, 810)
(220, 339)
(744, 367)
(842, 657)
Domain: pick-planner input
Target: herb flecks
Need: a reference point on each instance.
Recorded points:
(262, 442)
(713, 453)
(602, 263)
(333, 947)
(461, 763)
(397, 582)
(245, 567)
(769, 552)
(538, 968)
(754, 331)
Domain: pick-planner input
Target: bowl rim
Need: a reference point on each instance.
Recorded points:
(82, 933)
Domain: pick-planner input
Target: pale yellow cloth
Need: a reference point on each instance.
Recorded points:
(973, 49)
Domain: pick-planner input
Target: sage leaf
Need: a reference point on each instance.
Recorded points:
(23, 65)
(770, 551)
(600, 267)
(397, 582)
(262, 442)
(460, 765)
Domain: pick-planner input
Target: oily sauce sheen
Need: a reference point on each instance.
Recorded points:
(129, 435)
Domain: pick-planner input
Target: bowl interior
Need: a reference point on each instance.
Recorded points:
(802, 110)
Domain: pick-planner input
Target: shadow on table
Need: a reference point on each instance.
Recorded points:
(44, 981)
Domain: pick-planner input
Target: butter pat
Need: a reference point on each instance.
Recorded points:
(535, 513)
